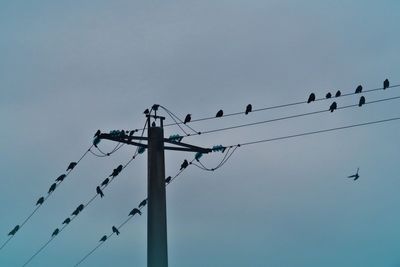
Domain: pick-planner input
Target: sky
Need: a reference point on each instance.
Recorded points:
(69, 68)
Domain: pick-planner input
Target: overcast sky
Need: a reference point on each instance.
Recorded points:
(68, 68)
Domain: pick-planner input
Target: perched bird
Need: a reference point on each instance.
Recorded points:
(116, 171)
(52, 188)
(97, 133)
(146, 111)
(355, 176)
(184, 164)
(311, 98)
(104, 238)
(61, 178)
(143, 203)
(328, 95)
(358, 89)
(115, 230)
(55, 232)
(362, 101)
(105, 182)
(75, 212)
(135, 211)
(333, 107)
(14, 231)
(71, 166)
(338, 93)
(220, 113)
(40, 201)
(168, 179)
(249, 109)
(66, 221)
(98, 190)
(80, 207)
(385, 84)
(188, 118)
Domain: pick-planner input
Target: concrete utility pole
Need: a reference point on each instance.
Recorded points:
(157, 248)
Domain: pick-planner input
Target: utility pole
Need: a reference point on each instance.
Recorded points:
(157, 248)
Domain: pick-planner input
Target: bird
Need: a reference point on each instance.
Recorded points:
(40, 201)
(61, 178)
(98, 190)
(338, 93)
(358, 89)
(52, 188)
(355, 176)
(219, 114)
(55, 232)
(105, 182)
(311, 98)
(362, 101)
(66, 221)
(135, 211)
(80, 207)
(168, 179)
(249, 108)
(184, 164)
(14, 231)
(143, 203)
(188, 118)
(328, 95)
(104, 238)
(333, 107)
(71, 166)
(97, 133)
(115, 230)
(146, 111)
(75, 213)
(116, 171)
(385, 84)
(131, 132)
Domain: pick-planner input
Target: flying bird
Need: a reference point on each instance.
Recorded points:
(143, 203)
(115, 230)
(362, 101)
(61, 178)
(220, 113)
(71, 166)
(338, 93)
(97, 133)
(168, 179)
(358, 89)
(249, 108)
(184, 164)
(66, 221)
(105, 182)
(385, 84)
(355, 176)
(333, 107)
(104, 238)
(55, 232)
(135, 211)
(14, 231)
(311, 98)
(188, 118)
(328, 95)
(40, 201)
(52, 188)
(98, 190)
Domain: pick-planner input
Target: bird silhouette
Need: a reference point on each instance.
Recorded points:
(75, 212)
(40, 201)
(168, 179)
(115, 230)
(61, 178)
(362, 101)
(105, 182)
(80, 207)
(143, 203)
(135, 211)
(55, 232)
(355, 176)
(98, 190)
(116, 171)
(385, 84)
(249, 109)
(311, 98)
(358, 89)
(97, 133)
(188, 118)
(66, 221)
(146, 111)
(338, 93)
(333, 107)
(104, 238)
(71, 166)
(328, 95)
(184, 164)
(14, 231)
(219, 114)
(52, 188)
